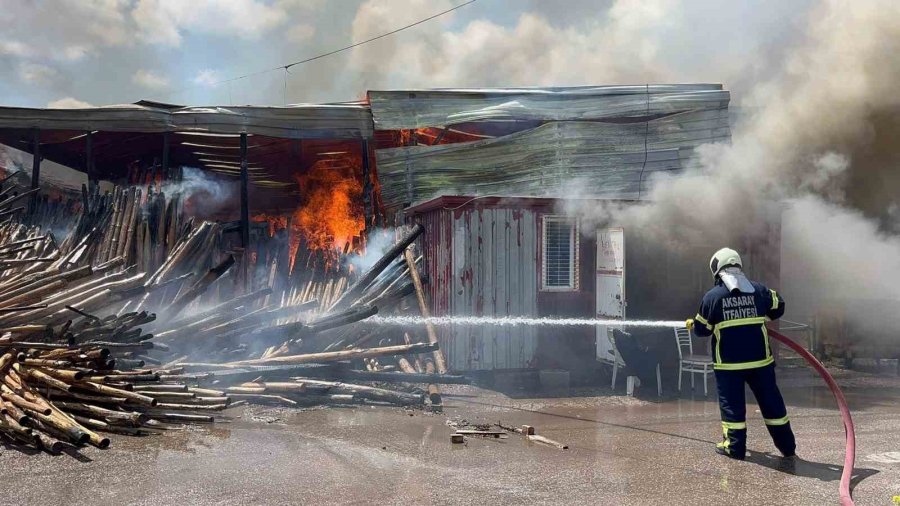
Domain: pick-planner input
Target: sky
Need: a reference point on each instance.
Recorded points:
(67, 53)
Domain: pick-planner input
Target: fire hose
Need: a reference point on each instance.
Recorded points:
(850, 435)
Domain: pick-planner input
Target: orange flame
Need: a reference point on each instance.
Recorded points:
(276, 222)
(331, 213)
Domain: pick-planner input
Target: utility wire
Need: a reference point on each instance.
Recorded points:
(289, 65)
(330, 53)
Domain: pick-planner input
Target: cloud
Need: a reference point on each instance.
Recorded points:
(69, 103)
(301, 32)
(63, 30)
(14, 48)
(207, 78)
(164, 21)
(149, 80)
(622, 45)
(36, 73)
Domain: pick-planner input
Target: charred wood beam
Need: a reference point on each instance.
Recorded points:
(367, 187)
(357, 290)
(35, 167)
(245, 205)
(165, 153)
(89, 158)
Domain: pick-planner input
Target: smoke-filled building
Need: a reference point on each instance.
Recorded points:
(502, 179)
(504, 204)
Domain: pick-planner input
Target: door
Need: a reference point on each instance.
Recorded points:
(610, 285)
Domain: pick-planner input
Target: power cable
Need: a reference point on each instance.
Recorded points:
(330, 53)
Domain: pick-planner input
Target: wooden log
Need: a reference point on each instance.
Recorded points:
(17, 415)
(165, 396)
(10, 397)
(417, 362)
(49, 443)
(192, 407)
(405, 366)
(547, 441)
(370, 275)
(199, 287)
(130, 397)
(264, 398)
(330, 356)
(161, 388)
(63, 425)
(474, 432)
(41, 377)
(367, 392)
(179, 417)
(385, 376)
(434, 393)
(439, 362)
(102, 399)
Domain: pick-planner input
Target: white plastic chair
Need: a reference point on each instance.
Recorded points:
(618, 362)
(689, 362)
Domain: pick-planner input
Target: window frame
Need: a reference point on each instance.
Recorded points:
(574, 253)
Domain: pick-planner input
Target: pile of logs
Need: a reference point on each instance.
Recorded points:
(339, 334)
(124, 326)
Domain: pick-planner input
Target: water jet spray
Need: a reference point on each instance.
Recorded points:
(515, 321)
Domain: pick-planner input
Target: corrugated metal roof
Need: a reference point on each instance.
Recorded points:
(303, 121)
(400, 109)
(610, 160)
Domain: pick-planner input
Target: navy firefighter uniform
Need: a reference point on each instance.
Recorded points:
(734, 312)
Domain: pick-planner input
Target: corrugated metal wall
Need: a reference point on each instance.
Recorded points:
(483, 262)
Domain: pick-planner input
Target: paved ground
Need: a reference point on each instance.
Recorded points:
(622, 451)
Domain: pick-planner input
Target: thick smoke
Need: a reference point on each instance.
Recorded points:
(203, 194)
(814, 146)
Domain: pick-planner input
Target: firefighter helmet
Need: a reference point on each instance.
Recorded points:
(725, 257)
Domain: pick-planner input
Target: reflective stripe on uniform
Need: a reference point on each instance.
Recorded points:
(702, 321)
(737, 366)
(777, 421)
(734, 425)
(759, 320)
(775, 300)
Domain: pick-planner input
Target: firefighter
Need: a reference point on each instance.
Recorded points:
(734, 312)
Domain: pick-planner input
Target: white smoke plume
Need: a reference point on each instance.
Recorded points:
(813, 146)
(203, 195)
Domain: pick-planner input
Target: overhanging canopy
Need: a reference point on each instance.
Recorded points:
(303, 121)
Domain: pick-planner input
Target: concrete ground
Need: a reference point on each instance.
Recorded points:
(621, 451)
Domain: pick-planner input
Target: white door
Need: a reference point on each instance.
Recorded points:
(610, 284)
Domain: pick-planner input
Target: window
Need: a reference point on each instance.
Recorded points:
(560, 254)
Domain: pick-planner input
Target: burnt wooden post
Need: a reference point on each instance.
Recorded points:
(245, 214)
(245, 207)
(35, 166)
(367, 187)
(165, 155)
(89, 158)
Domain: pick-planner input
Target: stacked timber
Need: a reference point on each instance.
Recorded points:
(122, 327)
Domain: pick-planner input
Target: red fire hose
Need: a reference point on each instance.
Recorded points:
(850, 454)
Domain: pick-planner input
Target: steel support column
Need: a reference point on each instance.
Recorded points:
(35, 167)
(245, 205)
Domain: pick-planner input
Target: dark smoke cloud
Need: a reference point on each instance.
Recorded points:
(816, 144)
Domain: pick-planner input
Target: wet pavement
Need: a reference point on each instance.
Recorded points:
(622, 451)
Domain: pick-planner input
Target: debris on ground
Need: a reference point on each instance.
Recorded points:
(140, 318)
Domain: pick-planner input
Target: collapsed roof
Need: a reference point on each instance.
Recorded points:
(608, 140)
